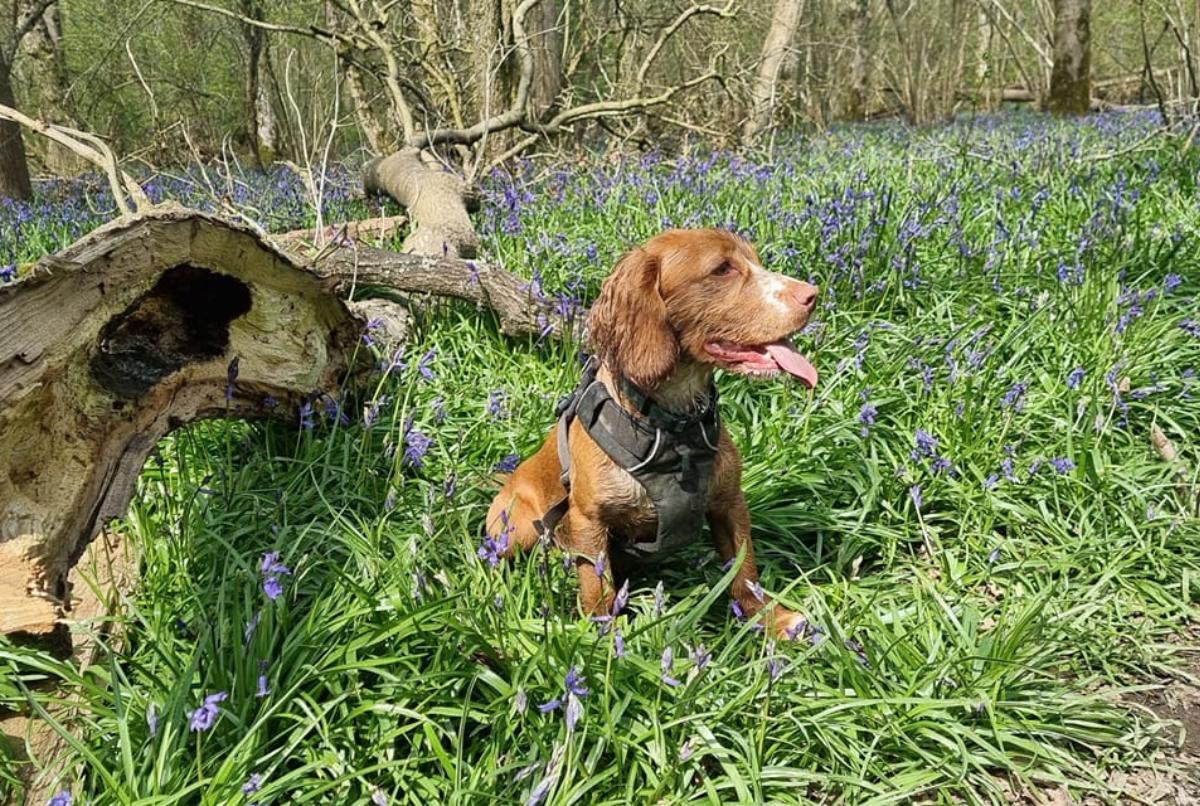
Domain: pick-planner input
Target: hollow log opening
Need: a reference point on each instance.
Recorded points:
(184, 318)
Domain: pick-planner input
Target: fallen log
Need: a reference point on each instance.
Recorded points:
(158, 320)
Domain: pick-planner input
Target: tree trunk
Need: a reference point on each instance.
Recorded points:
(46, 85)
(489, 48)
(1070, 78)
(856, 106)
(784, 20)
(14, 169)
(254, 39)
(546, 42)
(134, 331)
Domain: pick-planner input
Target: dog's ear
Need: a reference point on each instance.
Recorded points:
(628, 327)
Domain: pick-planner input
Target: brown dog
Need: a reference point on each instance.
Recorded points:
(673, 310)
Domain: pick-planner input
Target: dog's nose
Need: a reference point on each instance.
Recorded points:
(806, 295)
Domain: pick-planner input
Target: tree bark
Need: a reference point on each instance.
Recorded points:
(14, 168)
(436, 202)
(254, 39)
(856, 107)
(46, 85)
(132, 331)
(1070, 78)
(784, 20)
(546, 42)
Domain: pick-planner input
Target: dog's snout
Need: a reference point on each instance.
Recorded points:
(806, 295)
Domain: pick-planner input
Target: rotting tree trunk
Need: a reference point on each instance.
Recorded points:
(14, 168)
(130, 333)
(1070, 78)
(546, 43)
(784, 20)
(437, 203)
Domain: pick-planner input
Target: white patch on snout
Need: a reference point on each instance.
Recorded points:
(776, 288)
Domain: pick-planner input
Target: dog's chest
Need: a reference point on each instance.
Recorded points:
(627, 509)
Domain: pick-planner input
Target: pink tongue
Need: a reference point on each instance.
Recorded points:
(790, 361)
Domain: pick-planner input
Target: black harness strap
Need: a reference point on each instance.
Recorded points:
(668, 454)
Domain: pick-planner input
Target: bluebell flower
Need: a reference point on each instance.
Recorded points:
(699, 656)
(416, 445)
(618, 643)
(866, 416)
(495, 406)
(1063, 466)
(63, 798)
(204, 717)
(423, 366)
(621, 599)
(668, 660)
(508, 464)
(253, 784)
(450, 485)
(1075, 378)
(8, 273)
(915, 492)
(263, 690)
(521, 701)
(1171, 282)
(1015, 396)
(306, 415)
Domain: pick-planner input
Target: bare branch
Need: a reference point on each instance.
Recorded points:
(669, 31)
(312, 31)
(92, 149)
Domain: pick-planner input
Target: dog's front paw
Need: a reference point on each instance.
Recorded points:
(788, 625)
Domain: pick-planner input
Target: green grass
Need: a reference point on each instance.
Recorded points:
(1000, 623)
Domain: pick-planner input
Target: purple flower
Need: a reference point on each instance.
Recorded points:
(439, 410)
(253, 784)
(1063, 466)
(915, 492)
(61, 799)
(738, 613)
(494, 548)
(574, 683)
(263, 691)
(688, 749)
(270, 564)
(553, 705)
(152, 719)
(1075, 378)
(450, 485)
(416, 445)
(273, 588)
(774, 667)
(927, 444)
(993, 557)
(668, 660)
(1171, 282)
(621, 599)
(8, 273)
(231, 374)
(369, 329)
(508, 464)
(1191, 326)
(659, 599)
(521, 701)
(204, 717)
(601, 565)
(700, 656)
(618, 643)
(866, 416)
(574, 711)
(378, 798)
(496, 401)
(423, 365)
(1014, 398)
(306, 415)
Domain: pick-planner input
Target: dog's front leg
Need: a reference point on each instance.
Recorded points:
(589, 542)
(729, 520)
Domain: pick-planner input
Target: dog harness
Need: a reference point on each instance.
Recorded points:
(670, 455)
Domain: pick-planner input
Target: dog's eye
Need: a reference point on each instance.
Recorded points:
(723, 269)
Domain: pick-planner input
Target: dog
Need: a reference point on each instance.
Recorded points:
(674, 310)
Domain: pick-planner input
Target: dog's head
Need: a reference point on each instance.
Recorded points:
(702, 294)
